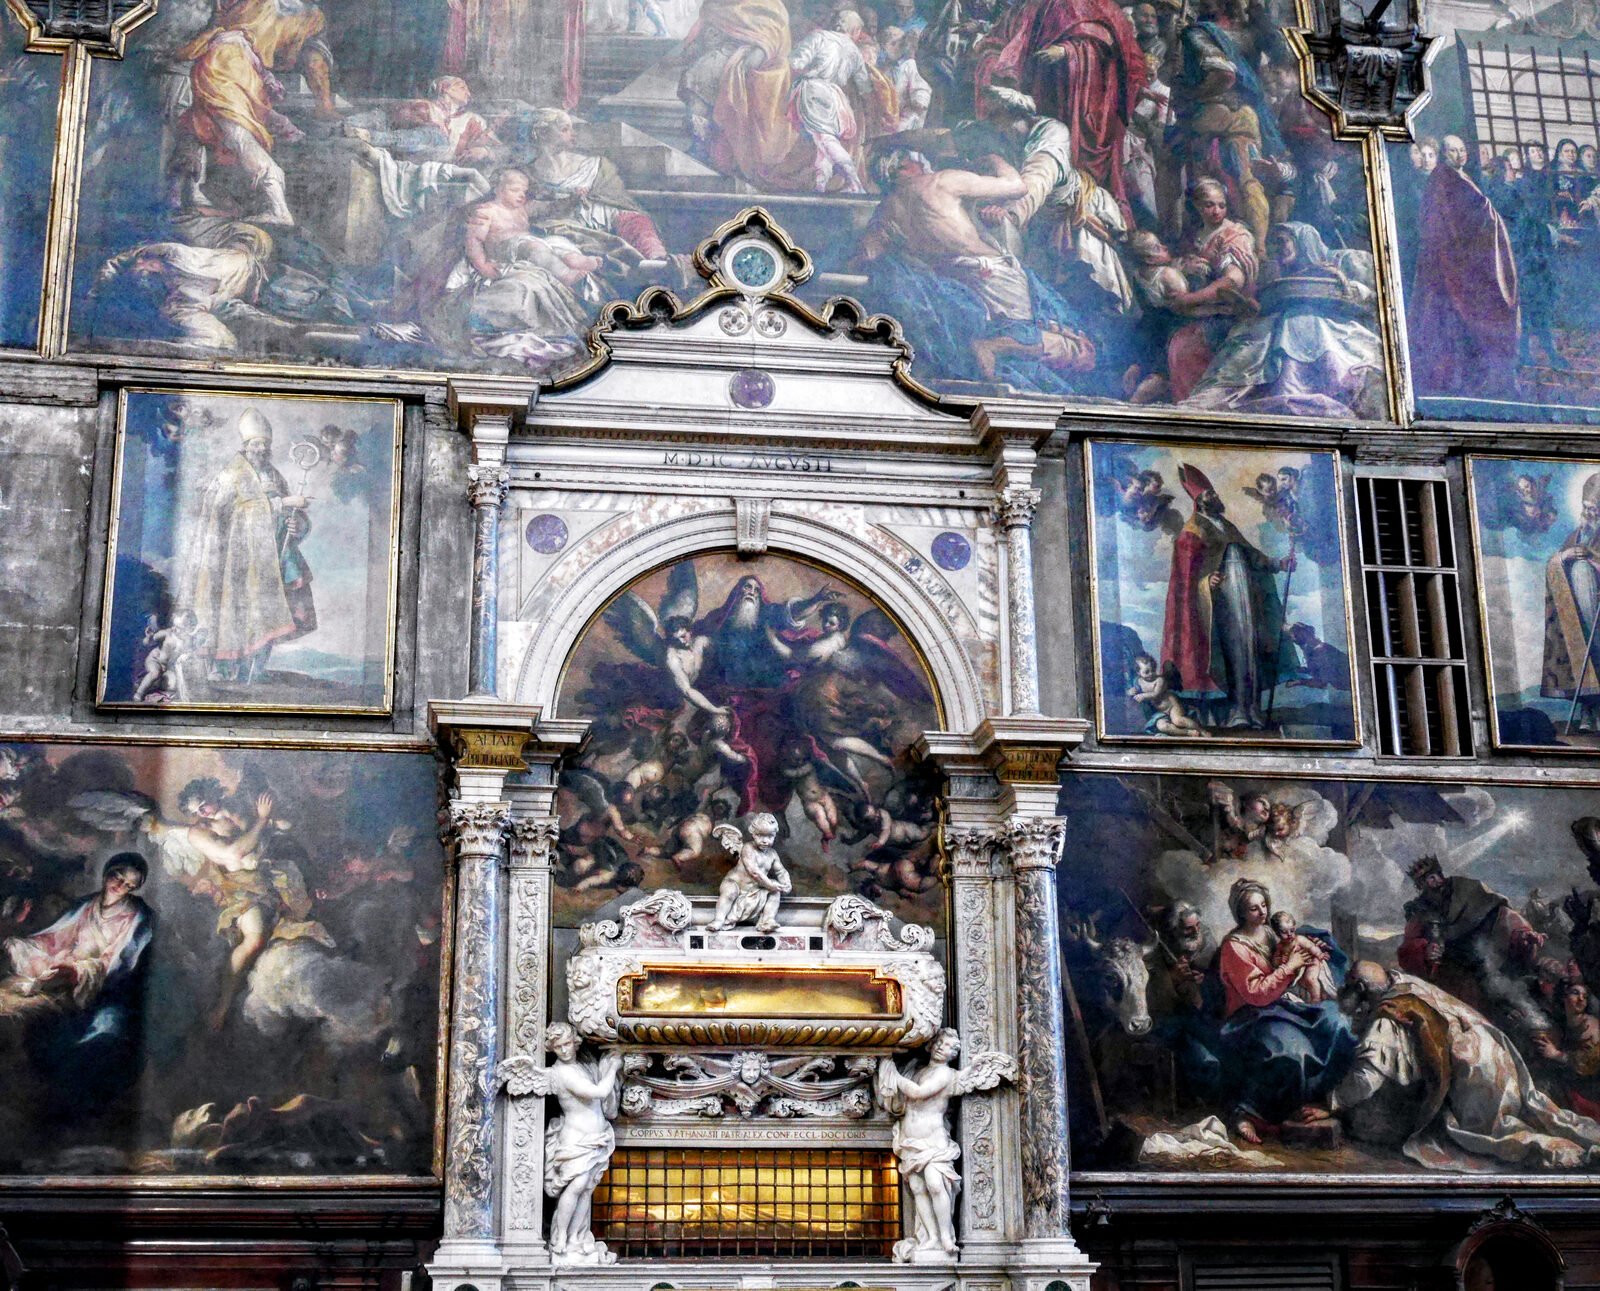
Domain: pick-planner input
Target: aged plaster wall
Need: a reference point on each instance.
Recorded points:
(46, 477)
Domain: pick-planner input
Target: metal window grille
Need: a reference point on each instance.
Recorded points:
(1527, 90)
(1310, 1273)
(1419, 667)
(800, 1203)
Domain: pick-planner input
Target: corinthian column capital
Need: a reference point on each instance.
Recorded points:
(1014, 506)
(487, 486)
(1035, 842)
(479, 828)
(533, 842)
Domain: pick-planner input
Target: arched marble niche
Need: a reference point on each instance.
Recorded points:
(720, 687)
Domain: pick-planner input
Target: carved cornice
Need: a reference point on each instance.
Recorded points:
(1034, 842)
(487, 486)
(533, 842)
(478, 829)
(1014, 507)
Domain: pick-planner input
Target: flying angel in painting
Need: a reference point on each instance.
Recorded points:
(1527, 506)
(666, 637)
(221, 850)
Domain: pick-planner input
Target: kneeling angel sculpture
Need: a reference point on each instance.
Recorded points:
(920, 1104)
(578, 1143)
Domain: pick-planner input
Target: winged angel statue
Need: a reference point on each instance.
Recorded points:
(920, 1104)
(579, 1142)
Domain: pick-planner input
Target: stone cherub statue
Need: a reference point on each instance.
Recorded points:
(579, 1142)
(755, 885)
(920, 1104)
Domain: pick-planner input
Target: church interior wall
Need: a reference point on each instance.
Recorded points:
(282, 1116)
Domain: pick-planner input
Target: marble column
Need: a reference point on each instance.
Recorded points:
(1014, 508)
(533, 842)
(487, 485)
(1034, 845)
(985, 1123)
(478, 830)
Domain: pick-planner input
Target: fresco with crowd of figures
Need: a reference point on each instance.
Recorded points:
(28, 107)
(1332, 976)
(1220, 601)
(217, 961)
(1498, 215)
(720, 689)
(1065, 197)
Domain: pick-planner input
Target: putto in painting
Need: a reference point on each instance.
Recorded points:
(1220, 600)
(217, 962)
(1536, 524)
(758, 693)
(1065, 197)
(1335, 977)
(253, 558)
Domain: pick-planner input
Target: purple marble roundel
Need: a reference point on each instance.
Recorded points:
(547, 534)
(751, 388)
(951, 551)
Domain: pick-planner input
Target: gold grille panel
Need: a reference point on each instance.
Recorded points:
(799, 1203)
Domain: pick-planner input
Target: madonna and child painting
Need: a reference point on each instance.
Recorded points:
(1342, 977)
(218, 962)
(1072, 198)
(1220, 603)
(724, 690)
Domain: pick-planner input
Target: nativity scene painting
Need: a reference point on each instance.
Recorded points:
(1221, 610)
(217, 962)
(1497, 205)
(1337, 977)
(1071, 198)
(253, 554)
(760, 692)
(1536, 524)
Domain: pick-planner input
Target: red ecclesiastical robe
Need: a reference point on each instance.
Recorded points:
(1093, 90)
(1463, 316)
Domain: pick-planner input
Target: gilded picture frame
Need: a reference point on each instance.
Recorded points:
(1187, 695)
(1520, 508)
(210, 573)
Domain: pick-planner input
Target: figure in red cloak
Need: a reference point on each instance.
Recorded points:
(1463, 315)
(1080, 61)
(1224, 624)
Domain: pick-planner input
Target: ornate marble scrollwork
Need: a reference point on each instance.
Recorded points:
(655, 921)
(752, 1083)
(854, 923)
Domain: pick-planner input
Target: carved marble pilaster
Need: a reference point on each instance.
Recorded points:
(1013, 509)
(533, 844)
(478, 830)
(970, 862)
(487, 486)
(1034, 845)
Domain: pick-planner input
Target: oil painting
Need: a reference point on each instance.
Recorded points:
(1221, 610)
(1332, 977)
(28, 85)
(253, 557)
(1497, 203)
(1058, 197)
(722, 688)
(1536, 532)
(217, 961)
